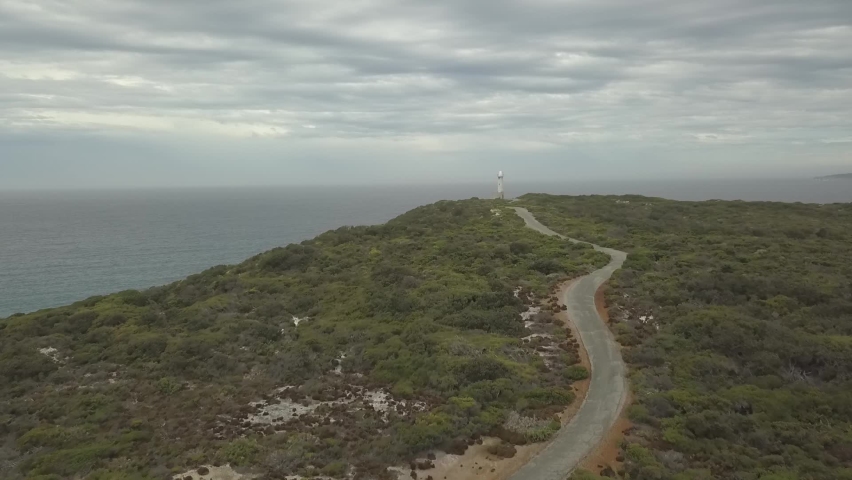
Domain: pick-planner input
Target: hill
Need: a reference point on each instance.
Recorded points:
(736, 319)
(344, 354)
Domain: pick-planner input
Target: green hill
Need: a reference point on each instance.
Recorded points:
(357, 349)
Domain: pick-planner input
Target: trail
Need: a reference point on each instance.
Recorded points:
(608, 388)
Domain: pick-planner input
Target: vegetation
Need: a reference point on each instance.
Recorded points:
(737, 318)
(425, 310)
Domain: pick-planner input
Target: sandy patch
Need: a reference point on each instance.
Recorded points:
(338, 369)
(476, 463)
(51, 353)
(284, 408)
(526, 316)
(215, 473)
(283, 411)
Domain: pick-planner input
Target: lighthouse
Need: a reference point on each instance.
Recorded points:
(500, 184)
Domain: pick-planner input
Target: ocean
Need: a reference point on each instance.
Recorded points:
(60, 247)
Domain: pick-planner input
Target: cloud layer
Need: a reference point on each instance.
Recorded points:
(546, 79)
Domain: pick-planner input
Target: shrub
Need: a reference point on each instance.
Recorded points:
(503, 450)
(576, 373)
(484, 368)
(546, 266)
(520, 248)
(242, 451)
(335, 469)
(543, 433)
(168, 385)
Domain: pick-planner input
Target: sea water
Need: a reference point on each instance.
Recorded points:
(60, 247)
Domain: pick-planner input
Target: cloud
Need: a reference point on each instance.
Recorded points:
(459, 78)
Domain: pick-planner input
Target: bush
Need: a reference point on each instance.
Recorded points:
(544, 433)
(546, 266)
(242, 451)
(335, 469)
(520, 248)
(168, 385)
(575, 373)
(483, 368)
(546, 397)
(503, 450)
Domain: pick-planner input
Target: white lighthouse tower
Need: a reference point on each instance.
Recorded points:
(500, 184)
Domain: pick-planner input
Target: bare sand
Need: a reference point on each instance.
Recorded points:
(215, 473)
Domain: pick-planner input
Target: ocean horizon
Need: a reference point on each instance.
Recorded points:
(58, 247)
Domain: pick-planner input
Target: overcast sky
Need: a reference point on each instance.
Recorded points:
(99, 93)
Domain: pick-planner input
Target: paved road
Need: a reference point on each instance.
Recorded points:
(607, 391)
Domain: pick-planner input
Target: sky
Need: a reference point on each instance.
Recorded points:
(136, 93)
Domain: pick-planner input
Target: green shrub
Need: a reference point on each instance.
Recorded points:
(335, 469)
(544, 433)
(575, 373)
(242, 451)
(169, 385)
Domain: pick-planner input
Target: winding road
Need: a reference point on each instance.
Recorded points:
(608, 388)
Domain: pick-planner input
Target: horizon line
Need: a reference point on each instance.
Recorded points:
(403, 183)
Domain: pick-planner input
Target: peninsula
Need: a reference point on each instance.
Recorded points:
(839, 176)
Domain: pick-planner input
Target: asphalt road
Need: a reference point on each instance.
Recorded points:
(608, 388)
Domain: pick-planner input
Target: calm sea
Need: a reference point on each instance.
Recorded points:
(59, 247)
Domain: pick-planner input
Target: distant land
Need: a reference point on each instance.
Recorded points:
(839, 176)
